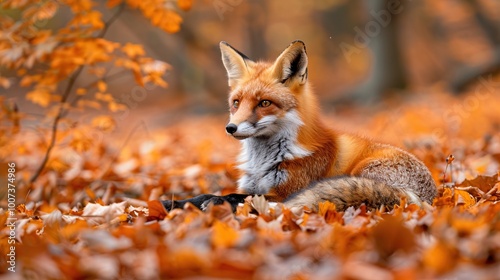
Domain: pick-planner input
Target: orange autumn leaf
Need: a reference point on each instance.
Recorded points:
(324, 207)
(483, 182)
(92, 18)
(466, 226)
(185, 4)
(72, 230)
(104, 123)
(4, 82)
(27, 80)
(328, 211)
(102, 86)
(116, 107)
(58, 165)
(133, 50)
(445, 199)
(440, 258)
(171, 22)
(113, 3)
(123, 217)
(81, 91)
(81, 141)
(89, 103)
(156, 210)
(464, 198)
(107, 97)
(39, 96)
(391, 236)
(223, 236)
(45, 11)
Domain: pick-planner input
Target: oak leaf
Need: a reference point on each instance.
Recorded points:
(483, 182)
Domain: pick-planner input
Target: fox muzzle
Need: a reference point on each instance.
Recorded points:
(231, 128)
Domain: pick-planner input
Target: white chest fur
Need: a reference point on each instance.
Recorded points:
(261, 156)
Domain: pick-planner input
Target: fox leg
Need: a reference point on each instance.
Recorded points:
(204, 200)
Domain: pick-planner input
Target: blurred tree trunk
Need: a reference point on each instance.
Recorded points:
(258, 15)
(387, 71)
(466, 75)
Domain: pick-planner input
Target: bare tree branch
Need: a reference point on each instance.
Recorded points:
(64, 98)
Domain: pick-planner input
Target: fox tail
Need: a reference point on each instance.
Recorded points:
(345, 191)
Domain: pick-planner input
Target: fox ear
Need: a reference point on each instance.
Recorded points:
(235, 62)
(292, 63)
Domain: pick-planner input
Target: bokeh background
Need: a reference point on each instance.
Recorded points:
(362, 51)
(422, 75)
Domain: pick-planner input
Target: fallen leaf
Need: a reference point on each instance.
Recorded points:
(156, 210)
(223, 236)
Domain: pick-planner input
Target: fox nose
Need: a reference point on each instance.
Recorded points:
(231, 128)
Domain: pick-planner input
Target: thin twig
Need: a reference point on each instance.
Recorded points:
(64, 98)
(490, 193)
(58, 117)
(110, 21)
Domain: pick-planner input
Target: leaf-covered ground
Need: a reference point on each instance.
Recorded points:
(94, 213)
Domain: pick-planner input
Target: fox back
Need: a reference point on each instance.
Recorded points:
(287, 150)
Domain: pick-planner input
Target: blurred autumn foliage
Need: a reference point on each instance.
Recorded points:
(91, 163)
(50, 61)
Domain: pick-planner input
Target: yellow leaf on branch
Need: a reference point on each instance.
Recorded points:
(113, 3)
(133, 50)
(115, 107)
(81, 141)
(89, 103)
(102, 86)
(41, 12)
(107, 97)
(39, 96)
(185, 4)
(104, 123)
(81, 91)
(171, 22)
(4, 82)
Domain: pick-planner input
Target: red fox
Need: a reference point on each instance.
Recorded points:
(291, 155)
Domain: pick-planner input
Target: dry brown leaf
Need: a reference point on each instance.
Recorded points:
(156, 210)
(391, 236)
(484, 183)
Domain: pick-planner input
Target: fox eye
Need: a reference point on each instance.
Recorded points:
(236, 103)
(265, 103)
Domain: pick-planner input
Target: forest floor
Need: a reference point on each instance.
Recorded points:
(94, 211)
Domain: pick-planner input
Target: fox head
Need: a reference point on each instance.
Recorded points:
(265, 98)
